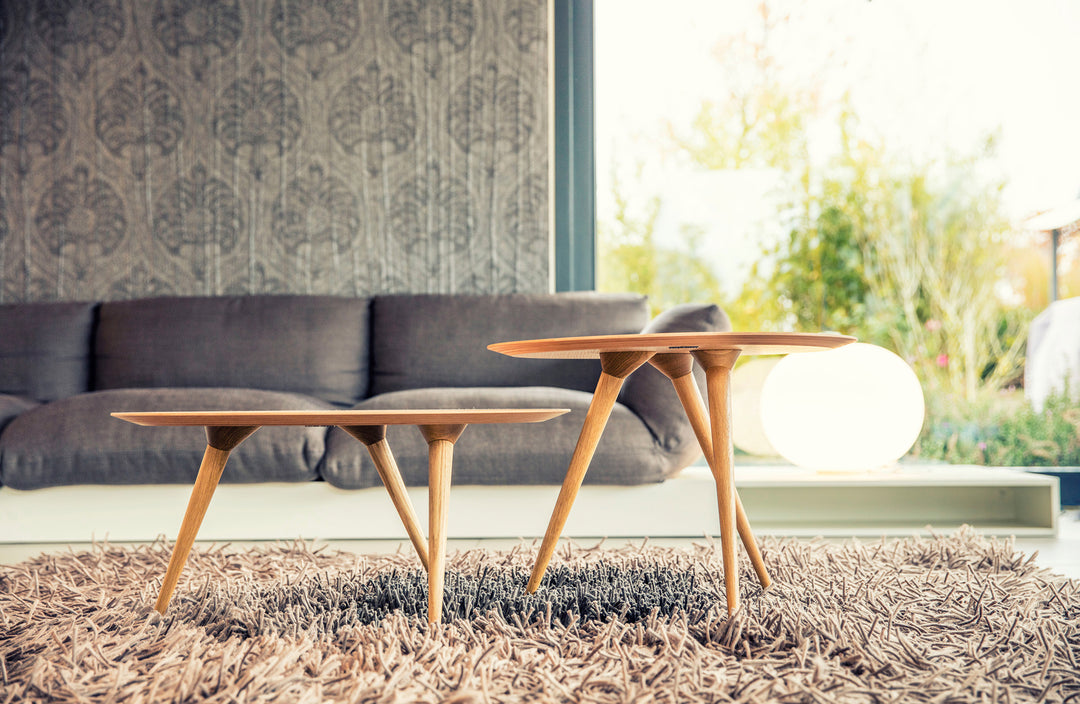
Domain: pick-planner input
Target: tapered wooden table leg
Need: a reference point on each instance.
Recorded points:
(440, 439)
(679, 367)
(718, 367)
(374, 438)
(616, 367)
(220, 441)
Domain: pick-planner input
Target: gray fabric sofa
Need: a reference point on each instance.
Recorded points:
(65, 366)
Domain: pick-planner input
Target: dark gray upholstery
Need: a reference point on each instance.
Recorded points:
(650, 394)
(10, 408)
(76, 441)
(512, 453)
(45, 349)
(316, 352)
(313, 345)
(428, 341)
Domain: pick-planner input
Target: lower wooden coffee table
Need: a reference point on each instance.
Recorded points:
(673, 354)
(440, 428)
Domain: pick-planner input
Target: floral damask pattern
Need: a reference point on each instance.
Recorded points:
(139, 111)
(524, 215)
(196, 211)
(202, 27)
(318, 28)
(316, 218)
(435, 211)
(526, 23)
(373, 107)
(249, 146)
(492, 108)
(140, 281)
(257, 113)
(33, 111)
(315, 209)
(81, 212)
(80, 30)
(3, 224)
(261, 280)
(431, 27)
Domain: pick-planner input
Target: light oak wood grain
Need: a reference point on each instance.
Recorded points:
(227, 438)
(374, 438)
(750, 343)
(716, 352)
(220, 442)
(319, 418)
(440, 439)
(718, 365)
(673, 365)
(616, 366)
(450, 432)
(440, 428)
(678, 368)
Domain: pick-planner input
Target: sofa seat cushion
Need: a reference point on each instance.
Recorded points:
(45, 349)
(311, 345)
(13, 406)
(511, 453)
(76, 441)
(426, 341)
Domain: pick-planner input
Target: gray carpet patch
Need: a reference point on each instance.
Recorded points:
(327, 605)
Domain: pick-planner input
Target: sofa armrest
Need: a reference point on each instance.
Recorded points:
(650, 394)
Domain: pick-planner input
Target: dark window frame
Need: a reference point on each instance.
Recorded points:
(574, 148)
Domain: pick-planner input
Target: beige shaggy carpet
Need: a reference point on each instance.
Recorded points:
(947, 619)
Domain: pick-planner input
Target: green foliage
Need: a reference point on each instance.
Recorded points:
(766, 127)
(902, 253)
(934, 240)
(633, 261)
(760, 121)
(1003, 430)
(816, 278)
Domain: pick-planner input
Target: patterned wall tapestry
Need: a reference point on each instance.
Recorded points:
(207, 147)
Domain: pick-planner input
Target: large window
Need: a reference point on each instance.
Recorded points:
(864, 167)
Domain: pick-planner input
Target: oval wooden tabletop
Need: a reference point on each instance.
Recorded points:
(750, 343)
(364, 417)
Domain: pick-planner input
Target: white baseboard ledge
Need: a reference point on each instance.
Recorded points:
(778, 500)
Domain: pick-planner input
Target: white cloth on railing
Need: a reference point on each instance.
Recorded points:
(1053, 353)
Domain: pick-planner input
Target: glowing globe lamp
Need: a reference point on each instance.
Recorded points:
(858, 407)
(746, 382)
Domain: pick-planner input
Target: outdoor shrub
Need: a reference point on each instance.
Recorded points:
(1005, 431)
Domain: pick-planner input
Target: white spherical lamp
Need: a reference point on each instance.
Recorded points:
(858, 407)
(747, 433)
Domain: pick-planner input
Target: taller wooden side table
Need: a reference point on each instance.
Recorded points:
(440, 428)
(673, 354)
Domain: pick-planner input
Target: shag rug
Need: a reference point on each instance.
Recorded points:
(944, 619)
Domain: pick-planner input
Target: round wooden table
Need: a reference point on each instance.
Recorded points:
(673, 354)
(440, 428)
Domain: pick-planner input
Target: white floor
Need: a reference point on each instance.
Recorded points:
(1061, 554)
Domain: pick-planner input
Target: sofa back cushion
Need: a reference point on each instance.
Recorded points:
(421, 341)
(45, 349)
(313, 345)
